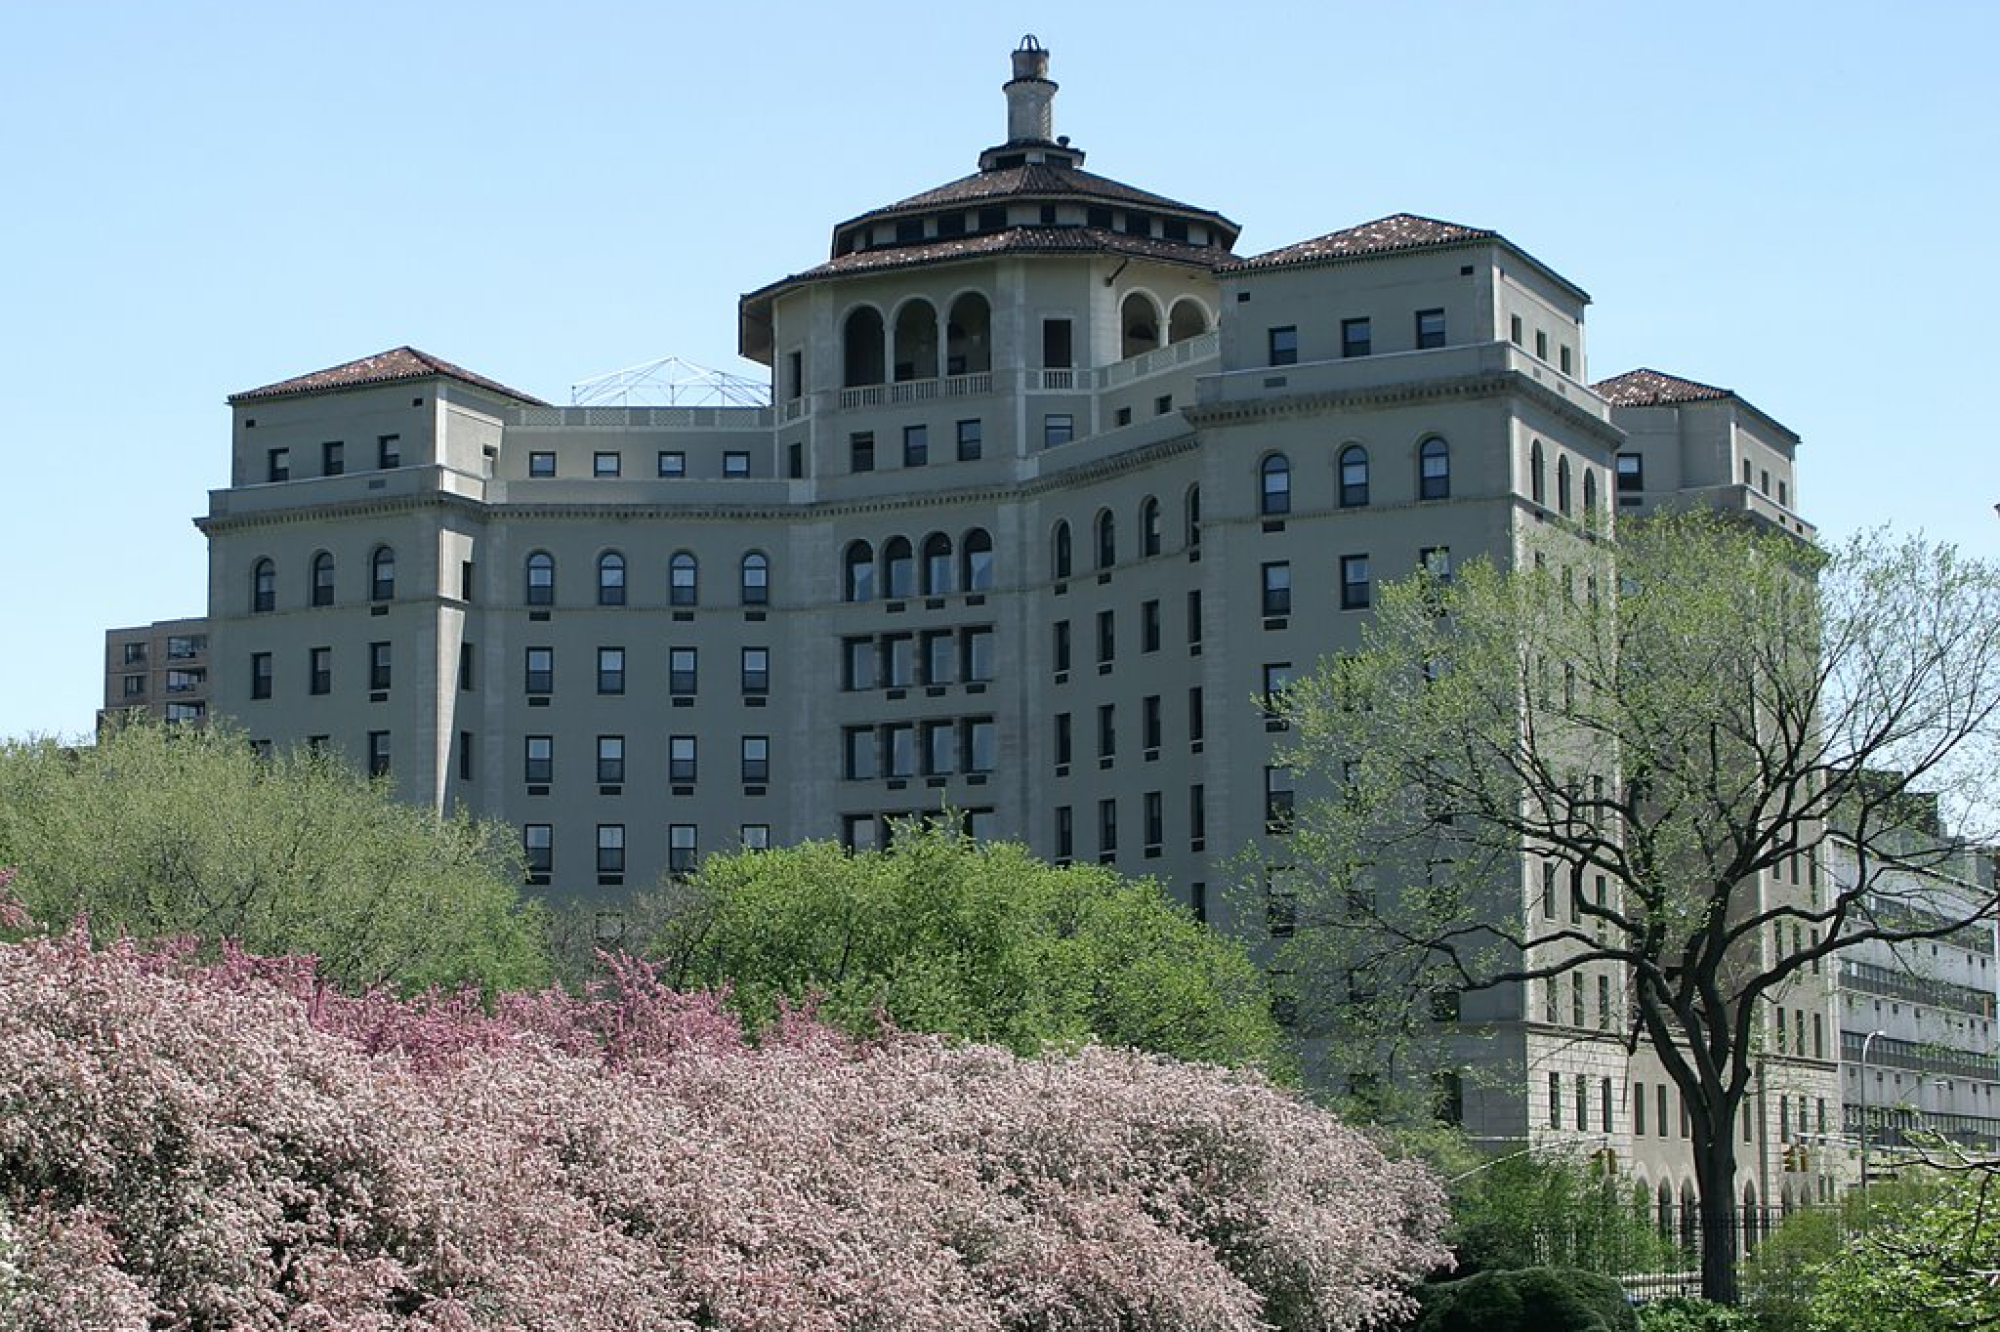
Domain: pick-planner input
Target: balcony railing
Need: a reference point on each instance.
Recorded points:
(918, 390)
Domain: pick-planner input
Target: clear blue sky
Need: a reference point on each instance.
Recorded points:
(1791, 200)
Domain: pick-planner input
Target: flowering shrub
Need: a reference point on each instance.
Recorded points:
(234, 1144)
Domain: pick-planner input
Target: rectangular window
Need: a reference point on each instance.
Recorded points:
(1150, 727)
(859, 753)
(1430, 329)
(1638, 1109)
(977, 648)
(1194, 617)
(940, 651)
(278, 464)
(1277, 674)
(756, 759)
(735, 464)
(610, 848)
(260, 675)
(1555, 1100)
(611, 670)
(1149, 626)
(1284, 345)
(1514, 329)
(388, 451)
(980, 744)
(135, 686)
(681, 672)
(1064, 748)
(467, 655)
(538, 847)
(1354, 582)
(541, 464)
(1156, 822)
(861, 451)
(184, 647)
(754, 836)
(541, 670)
(1436, 561)
(1194, 714)
(899, 660)
(1060, 645)
(1277, 588)
(538, 764)
(940, 748)
(1197, 817)
(1057, 345)
(185, 681)
(1107, 829)
(795, 460)
(332, 458)
(1541, 345)
(378, 753)
(1065, 834)
(1563, 358)
(378, 665)
(681, 767)
(321, 671)
(1107, 730)
(1107, 637)
(857, 663)
(916, 445)
(969, 440)
(673, 464)
(899, 750)
(610, 760)
(1355, 339)
(606, 464)
(1057, 428)
(1278, 799)
(756, 670)
(135, 654)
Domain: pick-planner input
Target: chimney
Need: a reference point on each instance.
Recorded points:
(1031, 95)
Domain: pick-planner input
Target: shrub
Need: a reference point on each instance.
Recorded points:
(1529, 1299)
(1682, 1313)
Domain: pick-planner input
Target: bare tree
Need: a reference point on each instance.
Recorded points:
(1655, 734)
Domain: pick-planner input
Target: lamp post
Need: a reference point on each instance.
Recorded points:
(1866, 1041)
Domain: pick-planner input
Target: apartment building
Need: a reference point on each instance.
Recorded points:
(1053, 487)
(159, 670)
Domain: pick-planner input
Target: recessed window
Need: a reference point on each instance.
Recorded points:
(756, 670)
(1149, 626)
(378, 666)
(332, 458)
(1274, 486)
(541, 670)
(388, 451)
(1430, 329)
(1060, 550)
(1064, 741)
(916, 445)
(538, 847)
(858, 583)
(981, 744)
(1107, 730)
(322, 579)
(610, 848)
(1514, 329)
(1353, 477)
(1541, 345)
(681, 853)
(611, 670)
(319, 676)
(135, 686)
(277, 464)
(1563, 358)
(735, 464)
(861, 451)
(1107, 637)
(135, 654)
(756, 579)
(969, 440)
(859, 753)
(541, 587)
(1354, 582)
(976, 561)
(1562, 485)
(1277, 588)
(1107, 830)
(260, 676)
(755, 836)
(1434, 470)
(683, 573)
(538, 759)
(1150, 725)
(937, 565)
(1107, 540)
(673, 464)
(610, 579)
(1058, 428)
(1284, 345)
(605, 464)
(1355, 338)
(756, 759)
(681, 755)
(541, 464)
(263, 587)
(1060, 645)
(681, 671)
(382, 575)
(378, 753)
(1149, 526)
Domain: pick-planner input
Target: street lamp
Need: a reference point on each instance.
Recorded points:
(1866, 1041)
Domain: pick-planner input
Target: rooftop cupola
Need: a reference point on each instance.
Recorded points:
(1031, 96)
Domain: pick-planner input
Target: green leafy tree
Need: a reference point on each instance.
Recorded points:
(1923, 1257)
(1680, 713)
(171, 831)
(977, 940)
(1533, 1209)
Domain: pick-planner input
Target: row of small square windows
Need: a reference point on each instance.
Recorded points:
(607, 464)
(683, 579)
(332, 457)
(754, 674)
(1152, 826)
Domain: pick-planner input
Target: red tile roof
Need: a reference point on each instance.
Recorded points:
(1650, 388)
(1385, 235)
(1015, 240)
(1037, 180)
(387, 367)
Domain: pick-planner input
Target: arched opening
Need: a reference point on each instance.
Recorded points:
(1107, 540)
(541, 578)
(1665, 1208)
(1060, 550)
(382, 574)
(1589, 492)
(916, 342)
(1753, 1219)
(1149, 526)
(610, 579)
(1274, 497)
(1139, 325)
(1690, 1217)
(978, 557)
(899, 568)
(1188, 320)
(1434, 470)
(756, 580)
(937, 564)
(968, 335)
(1353, 477)
(683, 580)
(1191, 517)
(322, 579)
(861, 347)
(858, 583)
(1562, 485)
(263, 586)
(1537, 486)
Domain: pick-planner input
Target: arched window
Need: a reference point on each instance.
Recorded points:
(322, 584)
(1061, 553)
(1353, 477)
(1149, 526)
(756, 582)
(1562, 485)
(916, 355)
(683, 580)
(977, 556)
(861, 347)
(1275, 481)
(899, 568)
(1537, 487)
(859, 566)
(968, 336)
(1434, 470)
(1186, 320)
(541, 579)
(610, 579)
(263, 586)
(382, 574)
(1107, 540)
(937, 564)
(1191, 517)
(1590, 492)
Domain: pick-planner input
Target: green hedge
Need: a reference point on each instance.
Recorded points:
(1528, 1299)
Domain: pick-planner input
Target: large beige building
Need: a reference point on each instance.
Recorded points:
(1053, 487)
